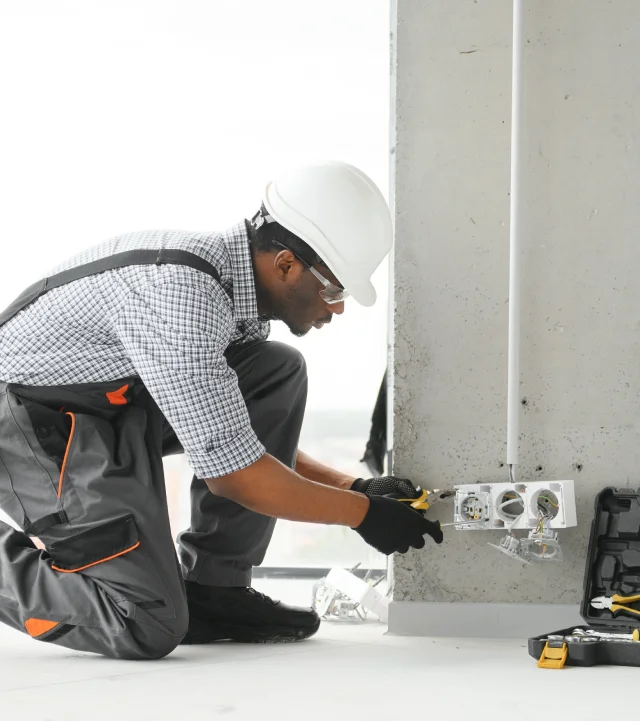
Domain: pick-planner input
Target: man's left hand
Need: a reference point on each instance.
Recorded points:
(385, 486)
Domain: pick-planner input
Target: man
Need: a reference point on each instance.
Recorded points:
(155, 343)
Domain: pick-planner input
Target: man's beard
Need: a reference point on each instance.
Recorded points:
(299, 333)
(279, 311)
(294, 326)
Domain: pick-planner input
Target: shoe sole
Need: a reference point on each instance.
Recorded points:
(246, 634)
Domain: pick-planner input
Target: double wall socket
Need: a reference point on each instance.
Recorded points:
(514, 506)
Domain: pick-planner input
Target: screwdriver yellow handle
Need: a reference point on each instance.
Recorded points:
(625, 599)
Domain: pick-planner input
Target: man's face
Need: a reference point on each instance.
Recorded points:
(301, 306)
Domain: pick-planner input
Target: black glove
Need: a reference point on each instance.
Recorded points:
(393, 527)
(401, 487)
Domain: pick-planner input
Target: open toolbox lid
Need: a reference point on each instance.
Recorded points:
(613, 557)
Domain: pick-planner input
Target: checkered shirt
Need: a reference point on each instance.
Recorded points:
(169, 324)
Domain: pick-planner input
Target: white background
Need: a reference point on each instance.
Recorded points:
(124, 115)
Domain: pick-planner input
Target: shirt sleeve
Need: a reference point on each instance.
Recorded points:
(175, 335)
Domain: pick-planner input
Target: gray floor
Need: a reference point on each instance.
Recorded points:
(349, 671)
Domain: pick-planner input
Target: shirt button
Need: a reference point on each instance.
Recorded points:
(43, 432)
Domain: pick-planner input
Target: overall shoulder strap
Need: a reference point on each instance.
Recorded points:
(110, 262)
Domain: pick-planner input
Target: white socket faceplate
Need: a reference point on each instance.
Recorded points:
(498, 506)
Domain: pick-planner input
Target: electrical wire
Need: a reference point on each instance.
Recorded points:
(548, 500)
(515, 498)
(548, 552)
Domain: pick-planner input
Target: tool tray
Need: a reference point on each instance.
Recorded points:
(613, 567)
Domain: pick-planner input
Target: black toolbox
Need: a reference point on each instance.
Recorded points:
(612, 568)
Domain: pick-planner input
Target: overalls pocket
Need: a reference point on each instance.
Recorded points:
(29, 473)
(68, 460)
(114, 552)
(99, 544)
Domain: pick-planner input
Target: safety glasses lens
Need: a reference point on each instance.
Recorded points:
(334, 295)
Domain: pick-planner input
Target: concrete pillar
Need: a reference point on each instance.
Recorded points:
(581, 295)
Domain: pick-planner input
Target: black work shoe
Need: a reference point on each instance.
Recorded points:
(244, 615)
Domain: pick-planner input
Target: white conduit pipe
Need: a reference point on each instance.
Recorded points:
(513, 381)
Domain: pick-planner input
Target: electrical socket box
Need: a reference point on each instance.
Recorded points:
(514, 506)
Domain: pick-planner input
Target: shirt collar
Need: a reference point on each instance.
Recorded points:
(245, 303)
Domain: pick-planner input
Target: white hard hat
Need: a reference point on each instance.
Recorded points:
(340, 213)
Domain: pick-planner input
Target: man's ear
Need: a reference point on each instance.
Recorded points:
(285, 265)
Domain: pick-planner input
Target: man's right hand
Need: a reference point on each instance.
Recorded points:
(393, 527)
(270, 488)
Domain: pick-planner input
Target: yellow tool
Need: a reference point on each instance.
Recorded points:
(617, 604)
(427, 498)
(554, 655)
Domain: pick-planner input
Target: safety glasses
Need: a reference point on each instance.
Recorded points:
(331, 293)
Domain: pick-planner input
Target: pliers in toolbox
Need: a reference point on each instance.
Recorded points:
(427, 498)
(617, 604)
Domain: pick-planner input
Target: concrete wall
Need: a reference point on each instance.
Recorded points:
(581, 272)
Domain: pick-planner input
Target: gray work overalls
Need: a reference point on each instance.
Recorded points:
(81, 469)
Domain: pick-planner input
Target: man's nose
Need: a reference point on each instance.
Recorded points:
(337, 308)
